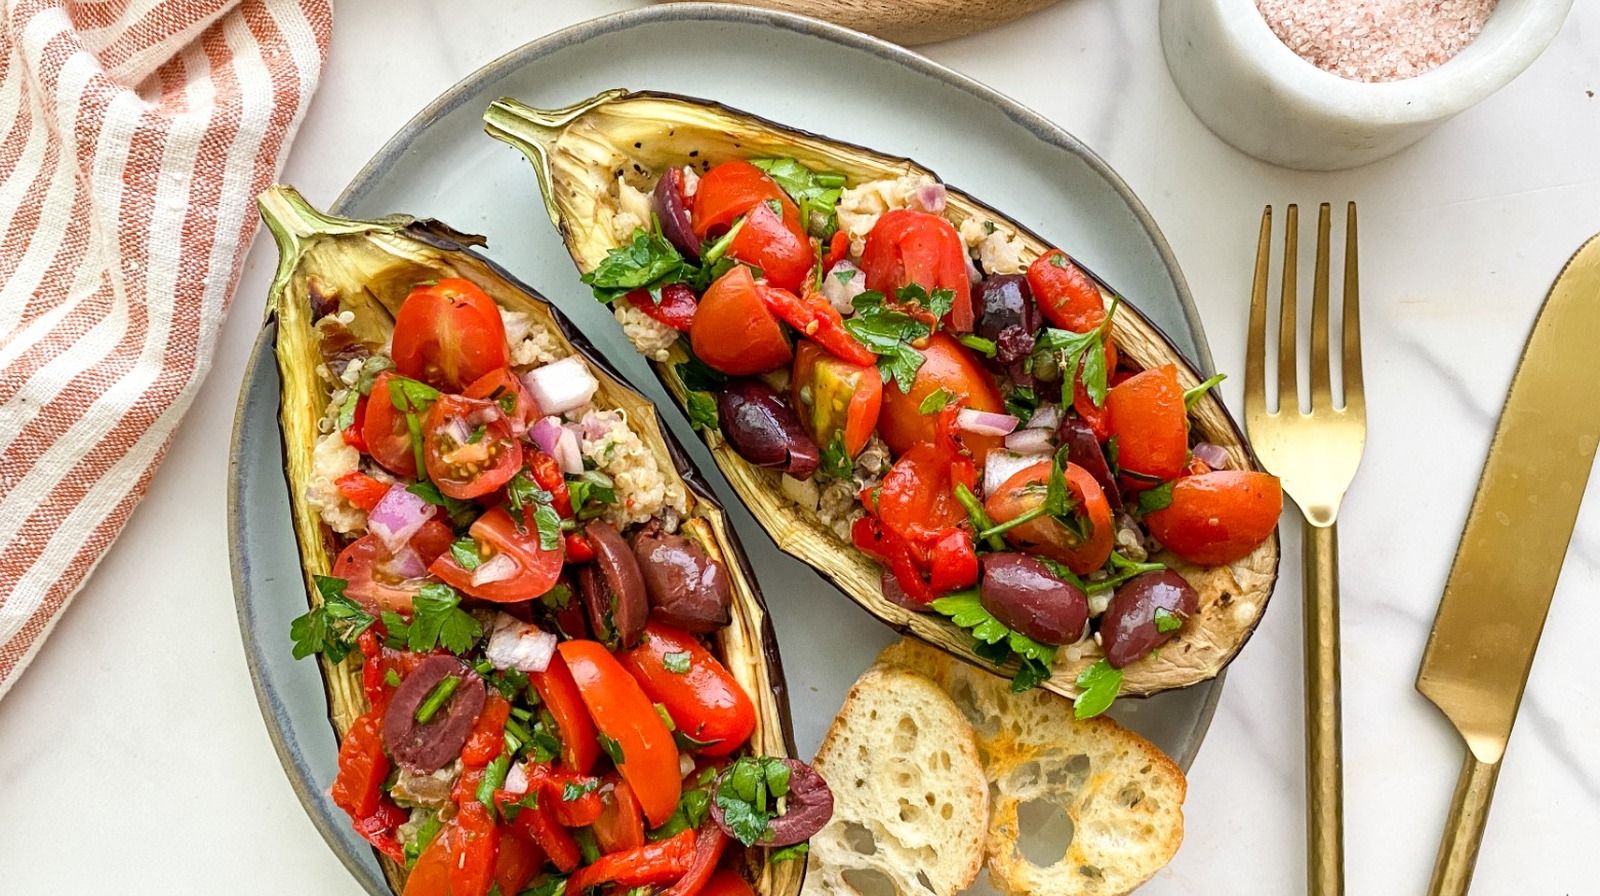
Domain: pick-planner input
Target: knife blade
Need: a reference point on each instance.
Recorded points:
(1498, 593)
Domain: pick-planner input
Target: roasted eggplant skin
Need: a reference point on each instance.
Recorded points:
(577, 153)
(367, 268)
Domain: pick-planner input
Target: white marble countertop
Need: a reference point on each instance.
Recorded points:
(132, 753)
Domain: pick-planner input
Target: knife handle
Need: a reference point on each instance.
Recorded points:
(1463, 829)
(1324, 765)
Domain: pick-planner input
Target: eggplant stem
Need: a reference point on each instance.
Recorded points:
(535, 131)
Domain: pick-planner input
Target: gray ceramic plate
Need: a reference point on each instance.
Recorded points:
(442, 165)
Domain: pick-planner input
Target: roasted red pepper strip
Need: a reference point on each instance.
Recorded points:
(474, 851)
(708, 846)
(620, 825)
(838, 248)
(870, 536)
(954, 563)
(539, 823)
(815, 318)
(551, 784)
(652, 863)
(559, 693)
(675, 309)
(488, 737)
(379, 829)
(361, 490)
(363, 766)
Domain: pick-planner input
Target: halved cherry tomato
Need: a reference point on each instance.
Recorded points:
(352, 433)
(620, 825)
(449, 334)
(517, 861)
(1094, 415)
(948, 365)
(508, 393)
(497, 535)
(1066, 295)
(363, 766)
(476, 847)
(546, 473)
(908, 246)
(838, 250)
(430, 876)
(676, 307)
(559, 694)
(727, 882)
(1047, 536)
(375, 578)
(468, 447)
(433, 539)
(1218, 517)
(814, 317)
(704, 700)
(777, 245)
(735, 331)
(729, 190)
(835, 398)
(385, 431)
(646, 756)
(1147, 417)
(361, 490)
(916, 499)
(488, 737)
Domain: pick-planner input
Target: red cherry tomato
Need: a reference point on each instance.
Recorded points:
(835, 398)
(948, 365)
(916, 500)
(709, 843)
(1146, 416)
(433, 539)
(1095, 415)
(646, 756)
(1066, 295)
(449, 334)
(620, 825)
(727, 882)
(908, 246)
(508, 393)
(1047, 536)
(352, 433)
(729, 190)
(559, 694)
(1218, 517)
(363, 766)
(374, 578)
(385, 431)
(468, 447)
(496, 534)
(676, 307)
(777, 245)
(735, 331)
(703, 699)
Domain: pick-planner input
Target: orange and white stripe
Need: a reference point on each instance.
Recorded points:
(134, 136)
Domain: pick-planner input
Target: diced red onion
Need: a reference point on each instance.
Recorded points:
(406, 564)
(842, 293)
(974, 276)
(517, 779)
(598, 424)
(1031, 441)
(1002, 465)
(456, 428)
(544, 433)
(515, 644)
(561, 385)
(1047, 417)
(1213, 456)
(495, 569)
(398, 516)
(568, 453)
(985, 423)
(931, 197)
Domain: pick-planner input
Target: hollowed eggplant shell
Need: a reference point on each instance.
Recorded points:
(368, 267)
(577, 153)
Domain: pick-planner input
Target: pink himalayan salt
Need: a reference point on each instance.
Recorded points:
(1376, 40)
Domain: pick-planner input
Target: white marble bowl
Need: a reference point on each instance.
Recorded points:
(1257, 94)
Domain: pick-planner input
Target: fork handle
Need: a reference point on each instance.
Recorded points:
(1324, 763)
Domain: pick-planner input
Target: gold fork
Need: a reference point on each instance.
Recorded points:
(1315, 453)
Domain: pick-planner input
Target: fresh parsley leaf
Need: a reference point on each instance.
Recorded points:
(554, 885)
(461, 513)
(465, 552)
(331, 627)
(575, 791)
(965, 610)
(1167, 621)
(675, 662)
(888, 332)
(494, 778)
(511, 683)
(347, 411)
(1021, 403)
(693, 808)
(1157, 498)
(816, 194)
(747, 798)
(391, 678)
(789, 853)
(398, 628)
(982, 346)
(410, 396)
(702, 409)
(611, 747)
(834, 460)
(936, 401)
(548, 523)
(438, 620)
(420, 840)
(647, 261)
(1098, 686)
(1192, 396)
(1122, 569)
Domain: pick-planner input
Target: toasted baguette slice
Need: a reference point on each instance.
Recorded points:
(1123, 796)
(911, 804)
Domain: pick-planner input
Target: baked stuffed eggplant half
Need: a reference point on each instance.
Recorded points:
(973, 436)
(546, 657)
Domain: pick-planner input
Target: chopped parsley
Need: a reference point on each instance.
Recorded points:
(494, 778)
(834, 460)
(693, 808)
(700, 383)
(413, 399)
(1076, 359)
(888, 330)
(817, 194)
(748, 792)
(982, 346)
(936, 401)
(610, 746)
(1167, 621)
(465, 552)
(577, 790)
(461, 513)
(676, 663)
(332, 627)
(647, 261)
(1098, 686)
(438, 621)
(1157, 498)
(790, 853)
(965, 610)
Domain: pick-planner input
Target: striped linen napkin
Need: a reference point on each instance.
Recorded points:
(134, 136)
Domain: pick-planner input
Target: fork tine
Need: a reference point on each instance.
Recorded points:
(1288, 331)
(1355, 401)
(1255, 351)
(1321, 391)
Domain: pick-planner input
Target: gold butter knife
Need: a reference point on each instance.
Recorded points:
(1511, 551)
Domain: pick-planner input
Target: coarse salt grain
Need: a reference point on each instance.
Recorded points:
(1376, 40)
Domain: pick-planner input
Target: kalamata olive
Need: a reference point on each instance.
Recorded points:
(1084, 450)
(1129, 629)
(1003, 301)
(894, 594)
(764, 430)
(612, 588)
(673, 208)
(807, 806)
(687, 588)
(425, 747)
(1031, 600)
